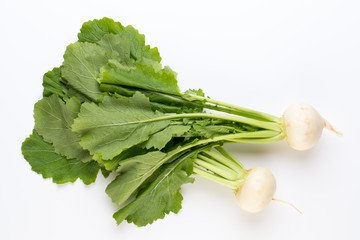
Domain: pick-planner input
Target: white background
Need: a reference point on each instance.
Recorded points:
(258, 54)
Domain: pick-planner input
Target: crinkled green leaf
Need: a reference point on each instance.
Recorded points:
(138, 48)
(73, 93)
(53, 120)
(188, 95)
(117, 124)
(160, 197)
(81, 68)
(45, 161)
(116, 64)
(105, 172)
(113, 164)
(198, 92)
(52, 84)
(132, 173)
(117, 44)
(160, 139)
(150, 62)
(93, 31)
(143, 77)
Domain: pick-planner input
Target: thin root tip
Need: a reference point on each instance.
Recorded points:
(282, 201)
(328, 126)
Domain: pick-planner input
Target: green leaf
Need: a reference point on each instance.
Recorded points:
(198, 92)
(112, 164)
(132, 173)
(117, 124)
(73, 93)
(45, 161)
(160, 197)
(117, 44)
(210, 131)
(52, 84)
(137, 45)
(81, 68)
(143, 77)
(105, 172)
(160, 139)
(93, 31)
(53, 120)
(163, 102)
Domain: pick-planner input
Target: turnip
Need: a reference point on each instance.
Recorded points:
(253, 188)
(303, 126)
(257, 190)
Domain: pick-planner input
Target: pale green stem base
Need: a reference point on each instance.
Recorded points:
(220, 167)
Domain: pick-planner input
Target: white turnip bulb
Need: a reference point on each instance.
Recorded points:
(303, 126)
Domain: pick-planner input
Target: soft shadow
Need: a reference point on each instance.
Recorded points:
(280, 148)
(256, 148)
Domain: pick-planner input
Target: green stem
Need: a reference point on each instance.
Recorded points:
(274, 139)
(254, 135)
(225, 173)
(245, 112)
(266, 125)
(226, 161)
(226, 154)
(221, 168)
(215, 178)
(201, 156)
(229, 137)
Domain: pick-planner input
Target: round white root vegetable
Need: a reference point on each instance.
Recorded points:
(257, 190)
(303, 126)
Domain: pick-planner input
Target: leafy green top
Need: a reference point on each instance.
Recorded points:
(112, 106)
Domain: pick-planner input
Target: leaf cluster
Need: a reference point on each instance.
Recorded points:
(96, 86)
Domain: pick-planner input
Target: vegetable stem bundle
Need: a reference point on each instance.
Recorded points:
(112, 106)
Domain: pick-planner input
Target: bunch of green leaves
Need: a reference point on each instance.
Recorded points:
(112, 106)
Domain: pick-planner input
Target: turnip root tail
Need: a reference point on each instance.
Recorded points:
(290, 204)
(328, 126)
